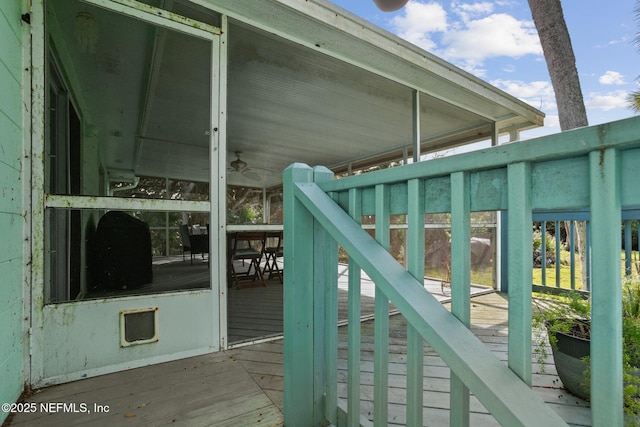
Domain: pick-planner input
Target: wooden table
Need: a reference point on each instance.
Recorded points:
(251, 233)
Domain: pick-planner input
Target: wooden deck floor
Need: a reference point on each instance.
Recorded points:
(255, 313)
(243, 386)
(489, 324)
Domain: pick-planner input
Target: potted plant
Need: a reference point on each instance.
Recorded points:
(566, 320)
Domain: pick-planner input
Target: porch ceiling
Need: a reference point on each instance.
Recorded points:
(340, 92)
(290, 103)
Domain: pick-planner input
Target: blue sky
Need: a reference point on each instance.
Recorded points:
(496, 40)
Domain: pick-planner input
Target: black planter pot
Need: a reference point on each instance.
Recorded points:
(568, 357)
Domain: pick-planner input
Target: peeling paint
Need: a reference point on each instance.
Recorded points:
(169, 15)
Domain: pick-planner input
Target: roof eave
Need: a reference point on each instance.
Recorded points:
(325, 27)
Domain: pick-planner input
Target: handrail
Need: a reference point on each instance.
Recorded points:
(621, 135)
(470, 359)
(589, 170)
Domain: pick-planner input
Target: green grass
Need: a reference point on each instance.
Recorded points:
(484, 276)
(565, 276)
(565, 271)
(479, 276)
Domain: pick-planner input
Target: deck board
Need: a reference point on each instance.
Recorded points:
(489, 323)
(256, 312)
(244, 386)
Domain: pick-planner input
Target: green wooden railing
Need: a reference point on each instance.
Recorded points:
(581, 280)
(590, 169)
(570, 220)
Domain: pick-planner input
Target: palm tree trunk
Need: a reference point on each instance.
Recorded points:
(561, 62)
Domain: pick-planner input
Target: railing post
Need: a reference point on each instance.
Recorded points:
(381, 323)
(460, 282)
(415, 265)
(572, 252)
(503, 284)
(325, 257)
(588, 256)
(558, 253)
(543, 249)
(627, 247)
(606, 290)
(353, 331)
(300, 405)
(520, 268)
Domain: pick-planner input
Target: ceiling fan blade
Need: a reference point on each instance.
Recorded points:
(253, 176)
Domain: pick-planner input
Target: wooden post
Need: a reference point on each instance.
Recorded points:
(353, 331)
(606, 290)
(381, 325)
(415, 265)
(325, 306)
(460, 282)
(299, 403)
(520, 268)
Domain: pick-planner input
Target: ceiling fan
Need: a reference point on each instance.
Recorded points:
(240, 166)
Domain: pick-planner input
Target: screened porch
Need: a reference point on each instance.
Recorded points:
(172, 122)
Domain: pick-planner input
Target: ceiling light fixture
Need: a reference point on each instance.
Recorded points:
(237, 164)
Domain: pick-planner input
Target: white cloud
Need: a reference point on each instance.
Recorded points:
(492, 36)
(523, 89)
(475, 68)
(607, 101)
(552, 121)
(466, 11)
(622, 40)
(612, 78)
(509, 3)
(538, 94)
(469, 35)
(418, 21)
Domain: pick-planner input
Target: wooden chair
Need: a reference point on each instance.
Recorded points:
(244, 247)
(271, 255)
(193, 243)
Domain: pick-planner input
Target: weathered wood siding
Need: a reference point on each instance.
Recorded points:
(11, 202)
